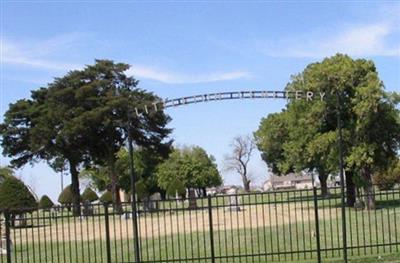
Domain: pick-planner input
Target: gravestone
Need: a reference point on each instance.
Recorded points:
(359, 205)
(154, 201)
(150, 203)
(3, 240)
(233, 200)
(87, 209)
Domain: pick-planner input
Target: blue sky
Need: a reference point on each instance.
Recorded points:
(182, 48)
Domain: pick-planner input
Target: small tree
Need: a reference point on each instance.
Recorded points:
(190, 166)
(66, 197)
(89, 195)
(238, 160)
(106, 197)
(16, 197)
(45, 203)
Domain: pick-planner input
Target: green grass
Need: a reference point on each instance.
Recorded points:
(233, 242)
(378, 227)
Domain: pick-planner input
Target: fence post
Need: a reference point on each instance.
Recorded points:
(8, 236)
(108, 242)
(317, 233)
(210, 221)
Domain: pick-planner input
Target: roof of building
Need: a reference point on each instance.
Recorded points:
(291, 177)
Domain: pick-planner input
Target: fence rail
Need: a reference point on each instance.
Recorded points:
(293, 225)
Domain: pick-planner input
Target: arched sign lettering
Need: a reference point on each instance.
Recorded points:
(231, 95)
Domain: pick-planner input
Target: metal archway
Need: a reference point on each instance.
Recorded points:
(230, 95)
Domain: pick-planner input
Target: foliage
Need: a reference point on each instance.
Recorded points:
(145, 162)
(106, 197)
(176, 188)
(270, 139)
(5, 172)
(82, 118)
(65, 197)
(191, 166)
(15, 196)
(141, 189)
(387, 179)
(89, 195)
(304, 135)
(45, 202)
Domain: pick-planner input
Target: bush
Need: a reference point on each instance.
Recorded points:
(65, 198)
(89, 195)
(106, 197)
(177, 187)
(15, 196)
(386, 180)
(45, 202)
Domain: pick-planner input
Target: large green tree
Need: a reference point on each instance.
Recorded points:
(43, 127)
(82, 118)
(191, 166)
(308, 139)
(113, 97)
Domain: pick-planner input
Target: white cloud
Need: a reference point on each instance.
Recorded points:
(176, 78)
(36, 55)
(30, 55)
(358, 40)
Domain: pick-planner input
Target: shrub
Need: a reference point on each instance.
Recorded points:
(386, 180)
(45, 202)
(89, 195)
(106, 197)
(15, 196)
(65, 198)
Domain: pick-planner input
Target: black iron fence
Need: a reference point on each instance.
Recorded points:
(293, 225)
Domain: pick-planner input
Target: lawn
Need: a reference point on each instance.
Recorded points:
(269, 227)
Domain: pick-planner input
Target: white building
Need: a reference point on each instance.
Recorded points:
(290, 181)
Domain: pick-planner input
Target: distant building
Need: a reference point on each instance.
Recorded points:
(289, 181)
(223, 189)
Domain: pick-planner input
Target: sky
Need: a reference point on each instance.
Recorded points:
(181, 48)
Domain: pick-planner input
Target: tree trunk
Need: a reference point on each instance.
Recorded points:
(204, 191)
(192, 199)
(246, 184)
(324, 187)
(12, 220)
(163, 195)
(76, 197)
(246, 181)
(323, 177)
(369, 197)
(115, 188)
(350, 189)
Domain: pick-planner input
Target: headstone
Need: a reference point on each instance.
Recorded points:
(154, 201)
(233, 200)
(3, 250)
(359, 205)
(87, 209)
(126, 215)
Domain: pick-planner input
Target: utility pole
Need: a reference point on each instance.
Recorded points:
(133, 189)
(340, 142)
